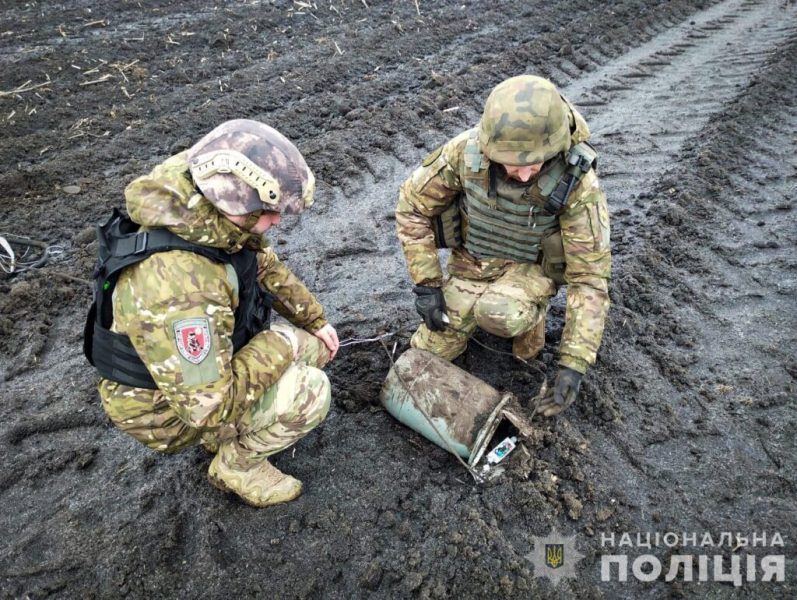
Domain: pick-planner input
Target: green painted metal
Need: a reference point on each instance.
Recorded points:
(446, 405)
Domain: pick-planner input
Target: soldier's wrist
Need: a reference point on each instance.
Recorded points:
(575, 363)
(316, 325)
(430, 283)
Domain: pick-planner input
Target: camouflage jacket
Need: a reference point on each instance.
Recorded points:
(152, 298)
(584, 224)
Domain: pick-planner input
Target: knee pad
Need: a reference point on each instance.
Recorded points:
(505, 316)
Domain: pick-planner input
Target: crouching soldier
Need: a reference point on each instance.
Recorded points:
(518, 200)
(180, 328)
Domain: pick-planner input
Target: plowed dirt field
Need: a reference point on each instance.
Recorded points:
(688, 422)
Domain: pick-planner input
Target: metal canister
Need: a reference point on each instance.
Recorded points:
(446, 405)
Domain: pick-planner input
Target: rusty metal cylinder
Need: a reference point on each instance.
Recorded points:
(446, 405)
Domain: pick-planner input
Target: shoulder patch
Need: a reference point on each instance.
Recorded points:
(432, 156)
(193, 340)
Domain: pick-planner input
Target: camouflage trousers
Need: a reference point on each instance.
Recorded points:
(286, 412)
(290, 408)
(512, 306)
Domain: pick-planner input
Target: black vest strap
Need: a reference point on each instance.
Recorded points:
(578, 165)
(121, 245)
(492, 185)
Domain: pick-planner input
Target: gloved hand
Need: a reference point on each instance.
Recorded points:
(562, 395)
(431, 305)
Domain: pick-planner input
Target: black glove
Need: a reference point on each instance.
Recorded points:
(431, 305)
(563, 394)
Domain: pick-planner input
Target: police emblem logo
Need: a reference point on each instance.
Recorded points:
(193, 339)
(554, 555)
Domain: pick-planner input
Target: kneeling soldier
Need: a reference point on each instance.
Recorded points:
(518, 201)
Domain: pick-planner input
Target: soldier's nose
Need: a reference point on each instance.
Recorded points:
(525, 173)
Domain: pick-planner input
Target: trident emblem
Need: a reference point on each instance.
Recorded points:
(554, 555)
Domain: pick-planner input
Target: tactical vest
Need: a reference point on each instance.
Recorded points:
(120, 245)
(497, 219)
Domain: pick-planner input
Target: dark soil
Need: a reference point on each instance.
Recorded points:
(686, 424)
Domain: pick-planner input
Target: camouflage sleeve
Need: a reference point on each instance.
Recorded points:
(428, 192)
(585, 235)
(182, 331)
(292, 299)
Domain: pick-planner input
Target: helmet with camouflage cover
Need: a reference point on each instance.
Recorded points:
(245, 166)
(525, 122)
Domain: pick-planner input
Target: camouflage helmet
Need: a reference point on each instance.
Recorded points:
(525, 122)
(245, 166)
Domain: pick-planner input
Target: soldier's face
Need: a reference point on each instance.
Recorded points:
(266, 220)
(524, 173)
(263, 223)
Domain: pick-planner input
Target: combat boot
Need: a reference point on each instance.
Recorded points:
(528, 345)
(256, 481)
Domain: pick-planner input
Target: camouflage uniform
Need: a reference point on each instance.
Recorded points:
(505, 296)
(257, 401)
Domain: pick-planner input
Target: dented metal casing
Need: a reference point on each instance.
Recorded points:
(446, 405)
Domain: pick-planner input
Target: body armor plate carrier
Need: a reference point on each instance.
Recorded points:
(511, 228)
(120, 245)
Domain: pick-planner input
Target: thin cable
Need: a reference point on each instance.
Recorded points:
(486, 347)
(8, 261)
(356, 341)
(18, 265)
(536, 400)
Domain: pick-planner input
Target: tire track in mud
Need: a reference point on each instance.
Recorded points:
(753, 299)
(645, 110)
(645, 107)
(423, 534)
(661, 93)
(641, 107)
